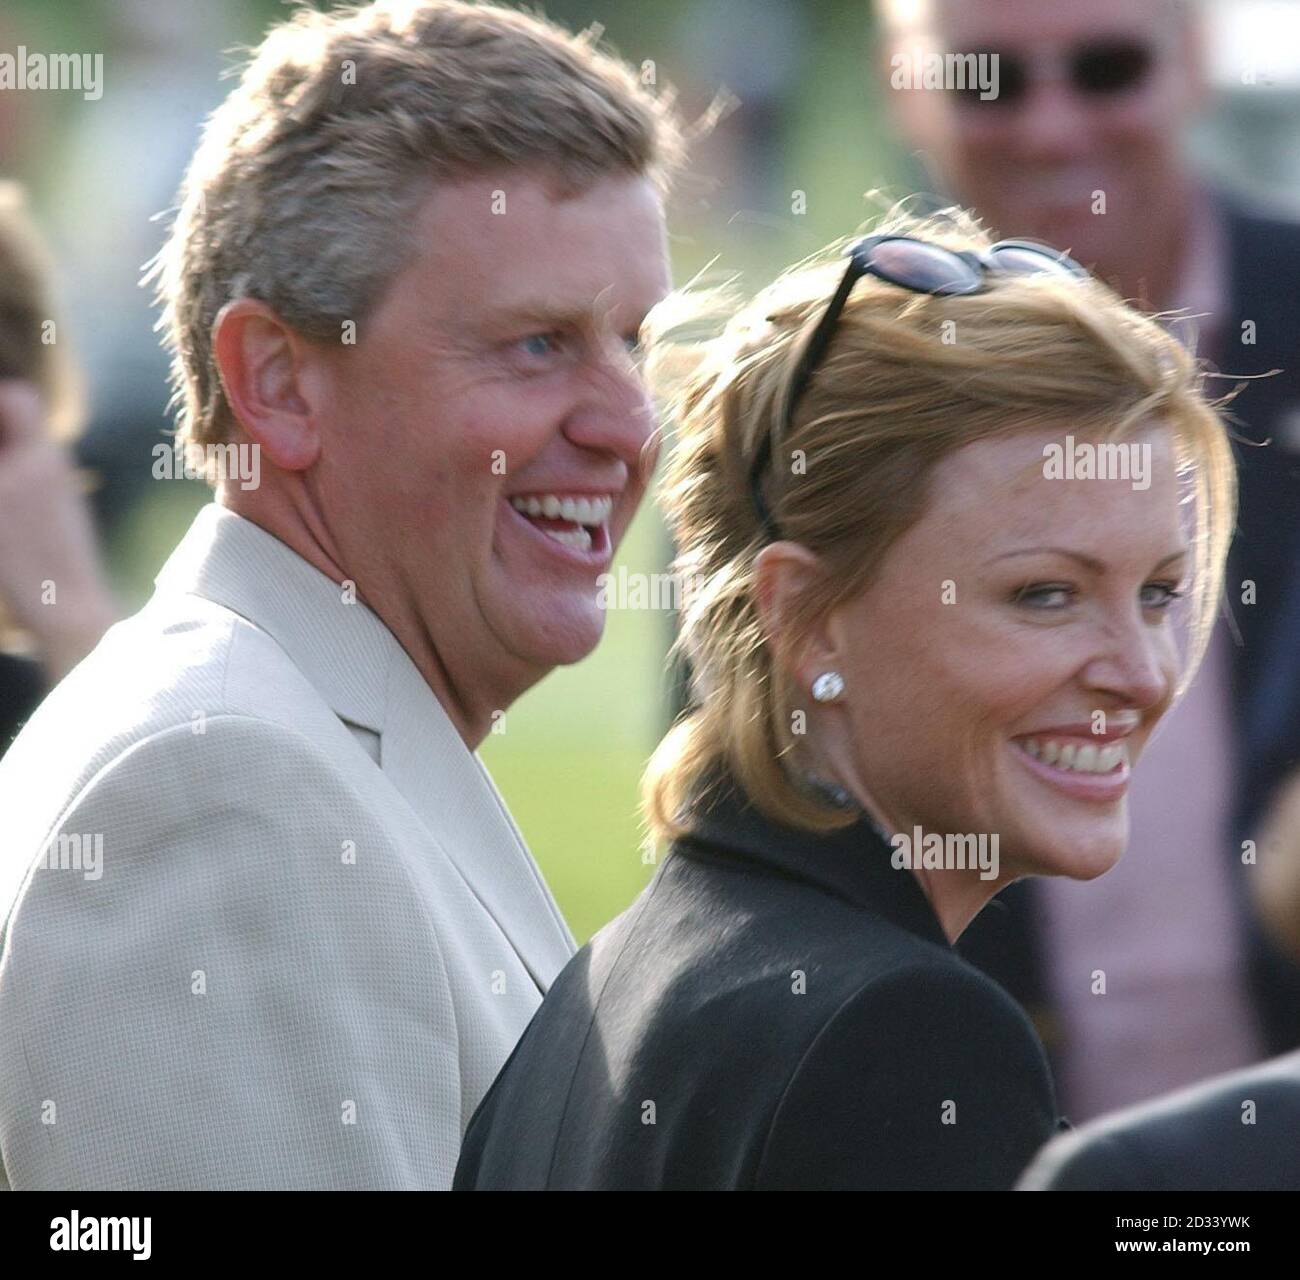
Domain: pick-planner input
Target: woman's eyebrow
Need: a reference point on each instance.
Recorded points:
(1088, 562)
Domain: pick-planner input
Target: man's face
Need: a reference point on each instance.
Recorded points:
(496, 373)
(1034, 167)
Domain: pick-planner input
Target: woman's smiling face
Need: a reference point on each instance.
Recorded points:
(1001, 624)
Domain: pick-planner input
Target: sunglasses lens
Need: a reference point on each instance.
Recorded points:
(1019, 259)
(1010, 82)
(1112, 67)
(926, 268)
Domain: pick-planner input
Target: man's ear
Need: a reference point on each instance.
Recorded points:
(783, 572)
(261, 361)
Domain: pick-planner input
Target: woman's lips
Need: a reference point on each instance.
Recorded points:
(1098, 787)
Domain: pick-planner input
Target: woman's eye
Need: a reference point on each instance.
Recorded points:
(1054, 595)
(1167, 593)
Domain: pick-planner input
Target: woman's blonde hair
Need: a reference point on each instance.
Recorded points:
(908, 379)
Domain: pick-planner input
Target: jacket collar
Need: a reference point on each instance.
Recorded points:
(343, 649)
(356, 664)
(852, 863)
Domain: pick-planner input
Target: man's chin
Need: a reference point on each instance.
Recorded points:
(569, 635)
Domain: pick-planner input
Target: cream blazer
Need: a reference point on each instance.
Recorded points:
(267, 922)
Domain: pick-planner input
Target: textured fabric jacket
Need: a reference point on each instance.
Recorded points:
(269, 924)
(776, 1010)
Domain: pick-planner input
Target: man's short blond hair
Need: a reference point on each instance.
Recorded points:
(305, 185)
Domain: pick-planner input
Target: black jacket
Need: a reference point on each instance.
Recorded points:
(1236, 1132)
(22, 686)
(776, 1010)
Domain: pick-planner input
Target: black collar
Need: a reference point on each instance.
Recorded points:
(852, 863)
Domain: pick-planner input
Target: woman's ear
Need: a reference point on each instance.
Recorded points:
(783, 573)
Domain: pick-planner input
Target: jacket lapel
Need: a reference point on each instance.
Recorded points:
(451, 790)
(354, 662)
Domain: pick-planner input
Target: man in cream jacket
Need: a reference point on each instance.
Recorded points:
(267, 923)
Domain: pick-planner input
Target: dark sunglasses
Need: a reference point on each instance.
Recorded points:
(910, 264)
(1097, 69)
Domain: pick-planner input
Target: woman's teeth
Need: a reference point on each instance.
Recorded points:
(1088, 758)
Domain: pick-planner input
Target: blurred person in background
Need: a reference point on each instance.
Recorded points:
(1161, 975)
(1234, 1132)
(1277, 887)
(898, 615)
(55, 602)
(269, 922)
(166, 65)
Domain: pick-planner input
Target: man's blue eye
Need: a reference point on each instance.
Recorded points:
(538, 344)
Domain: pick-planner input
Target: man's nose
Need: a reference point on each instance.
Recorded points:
(1054, 121)
(616, 412)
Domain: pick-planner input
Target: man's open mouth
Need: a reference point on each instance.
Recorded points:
(580, 522)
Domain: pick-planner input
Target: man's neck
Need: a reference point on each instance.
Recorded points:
(1157, 273)
(470, 714)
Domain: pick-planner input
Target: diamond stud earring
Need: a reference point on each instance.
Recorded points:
(828, 687)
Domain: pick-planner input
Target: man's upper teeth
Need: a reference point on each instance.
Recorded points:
(588, 511)
(1088, 758)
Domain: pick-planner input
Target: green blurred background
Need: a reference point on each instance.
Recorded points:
(776, 179)
(570, 757)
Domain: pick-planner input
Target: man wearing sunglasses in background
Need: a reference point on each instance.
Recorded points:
(1082, 147)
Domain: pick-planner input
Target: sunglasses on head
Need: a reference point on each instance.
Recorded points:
(920, 267)
(1095, 69)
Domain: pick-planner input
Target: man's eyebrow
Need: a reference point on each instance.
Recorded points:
(543, 313)
(1088, 562)
(548, 314)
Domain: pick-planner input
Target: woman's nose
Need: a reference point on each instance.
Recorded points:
(1137, 665)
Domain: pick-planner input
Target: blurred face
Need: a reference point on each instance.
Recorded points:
(484, 443)
(979, 714)
(1031, 167)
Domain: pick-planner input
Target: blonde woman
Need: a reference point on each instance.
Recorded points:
(930, 509)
